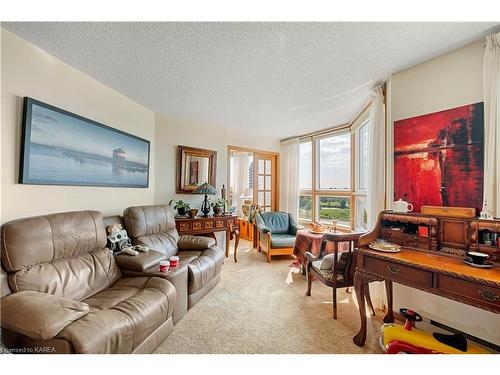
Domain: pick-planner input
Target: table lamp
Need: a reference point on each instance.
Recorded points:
(206, 189)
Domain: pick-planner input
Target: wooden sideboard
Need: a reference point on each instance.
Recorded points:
(247, 229)
(433, 263)
(210, 225)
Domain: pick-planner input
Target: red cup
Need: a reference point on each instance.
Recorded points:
(174, 261)
(164, 266)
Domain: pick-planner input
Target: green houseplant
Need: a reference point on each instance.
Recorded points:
(181, 206)
(217, 205)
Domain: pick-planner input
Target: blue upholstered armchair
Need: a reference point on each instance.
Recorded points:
(276, 233)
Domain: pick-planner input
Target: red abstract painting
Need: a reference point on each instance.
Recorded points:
(438, 158)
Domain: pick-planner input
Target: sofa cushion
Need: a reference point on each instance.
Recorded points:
(122, 316)
(152, 226)
(195, 243)
(39, 315)
(277, 222)
(165, 242)
(74, 278)
(43, 239)
(282, 240)
(204, 268)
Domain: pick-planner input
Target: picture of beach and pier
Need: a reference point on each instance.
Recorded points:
(61, 148)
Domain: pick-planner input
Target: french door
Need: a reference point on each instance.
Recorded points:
(265, 187)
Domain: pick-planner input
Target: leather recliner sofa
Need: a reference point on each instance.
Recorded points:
(200, 258)
(70, 296)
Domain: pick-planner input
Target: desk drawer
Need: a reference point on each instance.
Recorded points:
(184, 226)
(396, 272)
(488, 295)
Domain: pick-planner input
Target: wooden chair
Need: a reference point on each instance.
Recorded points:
(341, 275)
(276, 233)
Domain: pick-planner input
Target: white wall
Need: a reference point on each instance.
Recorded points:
(29, 71)
(449, 81)
(171, 132)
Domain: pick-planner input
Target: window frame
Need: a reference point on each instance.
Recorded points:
(354, 192)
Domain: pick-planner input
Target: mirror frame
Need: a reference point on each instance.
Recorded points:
(182, 152)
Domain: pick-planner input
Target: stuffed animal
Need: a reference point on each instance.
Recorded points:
(119, 242)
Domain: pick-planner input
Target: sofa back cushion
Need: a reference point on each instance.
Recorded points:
(277, 222)
(152, 226)
(61, 254)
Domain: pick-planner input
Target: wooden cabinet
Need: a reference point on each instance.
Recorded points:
(482, 231)
(247, 229)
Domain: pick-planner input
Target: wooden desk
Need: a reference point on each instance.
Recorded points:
(437, 274)
(210, 225)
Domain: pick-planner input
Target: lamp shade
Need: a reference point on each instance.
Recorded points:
(206, 188)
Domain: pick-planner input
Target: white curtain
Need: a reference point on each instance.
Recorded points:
(376, 157)
(239, 178)
(491, 86)
(376, 177)
(289, 180)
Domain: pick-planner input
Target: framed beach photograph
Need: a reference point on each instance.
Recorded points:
(61, 148)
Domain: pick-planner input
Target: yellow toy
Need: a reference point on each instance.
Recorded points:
(396, 338)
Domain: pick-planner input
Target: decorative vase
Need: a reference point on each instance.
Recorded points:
(205, 207)
(217, 210)
(181, 211)
(193, 212)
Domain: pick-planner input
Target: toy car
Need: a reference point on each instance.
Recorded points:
(396, 339)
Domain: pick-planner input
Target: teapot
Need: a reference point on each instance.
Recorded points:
(402, 206)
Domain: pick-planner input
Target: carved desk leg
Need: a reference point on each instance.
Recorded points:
(228, 240)
(359, 288)
(361, 280)
(389, 317)
(236, 241)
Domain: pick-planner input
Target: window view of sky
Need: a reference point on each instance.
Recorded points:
(305, 166)
(335, 162)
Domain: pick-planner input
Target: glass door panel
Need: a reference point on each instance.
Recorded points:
(266, 176)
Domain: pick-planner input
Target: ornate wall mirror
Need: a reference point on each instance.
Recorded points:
(195, 166)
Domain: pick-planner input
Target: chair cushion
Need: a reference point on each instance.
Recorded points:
(327, 274)
(204, 268)
(282, 240)
(277, 222)
(122, 316)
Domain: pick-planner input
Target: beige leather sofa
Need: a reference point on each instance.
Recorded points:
(70, 296)
(200, 258)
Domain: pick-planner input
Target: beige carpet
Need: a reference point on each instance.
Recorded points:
(262, 308)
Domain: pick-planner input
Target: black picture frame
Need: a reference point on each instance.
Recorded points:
(120, 166)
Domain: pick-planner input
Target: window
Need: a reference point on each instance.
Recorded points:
(333, 176)
(335, 208)
(361, 214)
(305, 166)
(334, 164)
(305, 207)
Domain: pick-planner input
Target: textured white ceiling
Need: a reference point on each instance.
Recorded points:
(281, 79)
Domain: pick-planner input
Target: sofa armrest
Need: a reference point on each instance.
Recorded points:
(139, 262)
(39, 315)
(195, 242)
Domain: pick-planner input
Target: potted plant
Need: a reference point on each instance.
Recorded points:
(217, 205)
(181, 206)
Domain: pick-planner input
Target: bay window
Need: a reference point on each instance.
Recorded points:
(333, 174)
